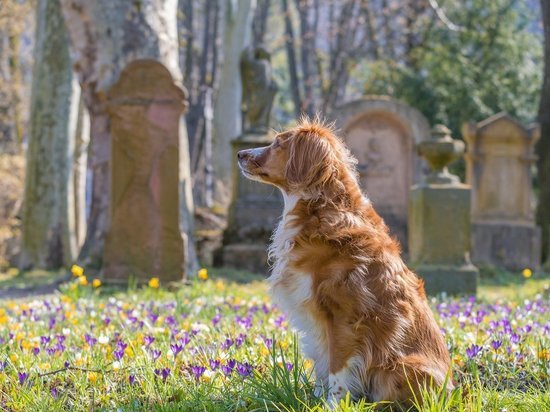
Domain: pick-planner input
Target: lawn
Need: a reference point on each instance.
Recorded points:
(218, 345)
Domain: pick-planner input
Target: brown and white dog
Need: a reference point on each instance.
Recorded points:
(338, 275)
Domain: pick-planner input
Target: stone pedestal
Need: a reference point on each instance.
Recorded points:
(253, 214)
(439, 221)
(144, 238)
(439, 238)
(499, 159)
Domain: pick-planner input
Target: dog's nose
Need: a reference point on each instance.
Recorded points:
(242, 154)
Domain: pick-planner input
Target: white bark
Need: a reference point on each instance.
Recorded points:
(227, 106)
(48, 216)
(105, 36)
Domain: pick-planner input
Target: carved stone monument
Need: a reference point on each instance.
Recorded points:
(255, 207)
(439, 221)
(499, 160)
(144, 239)
(382, 134)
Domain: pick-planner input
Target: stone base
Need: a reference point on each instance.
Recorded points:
(451, 280)
(512, 247)
(247, 257)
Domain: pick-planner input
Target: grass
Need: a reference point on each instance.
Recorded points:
(145, 348)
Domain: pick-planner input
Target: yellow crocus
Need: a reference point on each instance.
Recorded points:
(527, 273)
(96, 283)
(154, 283)
(82, 281)
(203, 274)
(77, 271)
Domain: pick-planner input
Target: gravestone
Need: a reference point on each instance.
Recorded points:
(439, 221)
(255, 207)
(144, 239)
(499, 160)
(382, 134)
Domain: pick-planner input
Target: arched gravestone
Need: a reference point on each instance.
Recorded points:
(144, 239)
(382, 134)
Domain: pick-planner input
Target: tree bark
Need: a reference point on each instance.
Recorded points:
(105, 36)
(48, 218)
(290, 46)
(227, 122)
(543, 149)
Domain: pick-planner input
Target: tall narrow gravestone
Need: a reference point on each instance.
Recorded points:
(439, 221)
(382, 134)
(499, 160)
(144, 239)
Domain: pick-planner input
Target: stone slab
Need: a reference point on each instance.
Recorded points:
(247, 257)
(509, 246)
(439, 225)
(449, 280)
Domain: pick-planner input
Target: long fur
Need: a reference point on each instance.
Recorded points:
(338, 274)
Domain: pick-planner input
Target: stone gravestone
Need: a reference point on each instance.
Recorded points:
(382, 134)
(144, 239)
(255, 207)
(499, 160)
(439, 221)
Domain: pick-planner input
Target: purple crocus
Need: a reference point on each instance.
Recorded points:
(155, 354)
(197, 371)
(148, 340)
(90, 340)
(164, 373)
(214, 364)
(216, 319)
(54, 392)
(240, 340)
(44, 340)
(496, 344)
(176, 348)
(244, 369)
(227, 344)
(185, 339)
(473, 351)
(22, 377)
(131, 379)
(515, 338)
(289, 366)
(36, 350)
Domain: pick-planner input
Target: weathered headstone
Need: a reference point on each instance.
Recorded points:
(255, 207)
(144, 239)
(382, 134)
(439, 221)
(499, 160)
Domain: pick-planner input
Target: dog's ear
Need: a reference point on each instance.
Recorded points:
(311, 161)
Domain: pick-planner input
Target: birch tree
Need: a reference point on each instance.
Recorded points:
(227, 106)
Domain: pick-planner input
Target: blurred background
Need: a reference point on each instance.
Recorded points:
(95, 164)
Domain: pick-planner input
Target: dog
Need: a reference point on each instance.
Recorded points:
(337, 273)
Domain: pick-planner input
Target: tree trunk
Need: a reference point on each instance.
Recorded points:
(48, 219)
(290, 46)
(543, 150)
(227, 106)
(80, 171)
(105, 36)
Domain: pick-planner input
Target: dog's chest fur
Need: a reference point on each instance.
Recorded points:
(292, 290)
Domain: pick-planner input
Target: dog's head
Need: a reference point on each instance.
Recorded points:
(303, 159)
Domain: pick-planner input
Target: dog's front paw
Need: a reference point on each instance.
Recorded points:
(319, 390)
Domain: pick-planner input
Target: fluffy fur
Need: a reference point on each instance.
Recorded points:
(338, 275)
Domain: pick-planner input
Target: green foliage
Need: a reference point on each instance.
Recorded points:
(491, 64)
